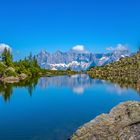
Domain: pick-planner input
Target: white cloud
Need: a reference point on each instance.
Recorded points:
(3, 46)
(119, 47)
(79, 48)
(110, 49)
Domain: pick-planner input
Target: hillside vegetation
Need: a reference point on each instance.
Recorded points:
(126, 71)
(27, 66)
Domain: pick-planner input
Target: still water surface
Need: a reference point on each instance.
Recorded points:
(52, 108)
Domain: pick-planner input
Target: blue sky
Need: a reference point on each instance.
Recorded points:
(33, 25)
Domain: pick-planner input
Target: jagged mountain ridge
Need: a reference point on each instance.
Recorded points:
(77, 60)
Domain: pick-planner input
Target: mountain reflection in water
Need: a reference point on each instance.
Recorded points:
(52, 108)
(78, 84)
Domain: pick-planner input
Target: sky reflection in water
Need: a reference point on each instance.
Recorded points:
(52, 108)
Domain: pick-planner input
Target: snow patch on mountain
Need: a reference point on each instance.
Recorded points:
(78, 58)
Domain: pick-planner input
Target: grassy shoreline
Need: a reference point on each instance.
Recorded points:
(45, 73)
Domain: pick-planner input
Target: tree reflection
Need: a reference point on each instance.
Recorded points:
(6, 89)
(78, 83)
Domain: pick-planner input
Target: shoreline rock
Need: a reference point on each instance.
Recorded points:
(13, 79)
(10, 79)
(122, 123)
(22, 76)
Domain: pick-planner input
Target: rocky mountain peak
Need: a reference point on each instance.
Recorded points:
(78, 58)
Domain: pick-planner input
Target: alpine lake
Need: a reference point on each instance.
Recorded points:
(52, 108)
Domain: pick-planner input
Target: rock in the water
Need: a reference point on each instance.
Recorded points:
(122, 123)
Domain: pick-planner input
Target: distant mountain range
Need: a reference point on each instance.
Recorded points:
(79, 60)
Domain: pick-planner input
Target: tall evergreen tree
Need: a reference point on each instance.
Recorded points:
(7, 57)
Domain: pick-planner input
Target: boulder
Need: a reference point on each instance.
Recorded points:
(22, 76)
(122, 123)
(10, 79)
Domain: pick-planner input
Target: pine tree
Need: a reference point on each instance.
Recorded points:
(30, 57)
(138, 49)
(35, 62)
(7, 57)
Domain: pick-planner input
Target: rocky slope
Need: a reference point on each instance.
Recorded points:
(126, 71)
(122, 123)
